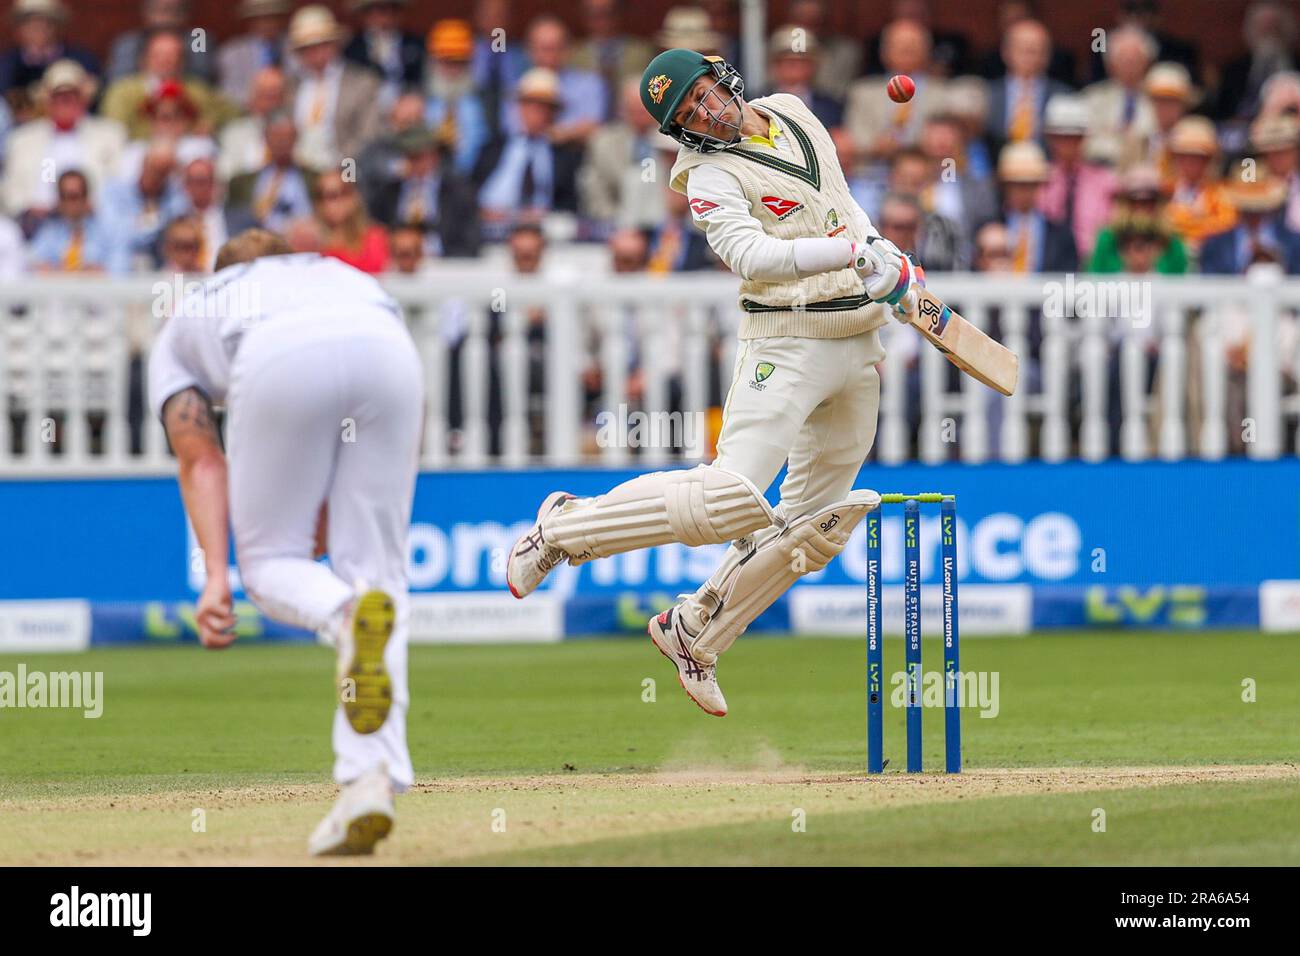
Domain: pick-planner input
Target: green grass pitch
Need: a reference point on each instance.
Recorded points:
(1126, 748)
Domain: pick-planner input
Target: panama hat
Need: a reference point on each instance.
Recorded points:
(1194, 135)
(314, 24)
(1022, 163)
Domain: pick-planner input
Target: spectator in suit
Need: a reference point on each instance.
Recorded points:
(1146, 15)
(279, 192)
(346, 231)
(127, 53)
(429, 194)
(950, 54)
(527, 248)
(878, 126)
(382, 160)
(1037, 243)
(1280, 95)
(609, 51)
(38, 35)
(243, 140)
(1118, 105)
(262, 46)
(1269, 29)
(1139, 196)
(452, 104)
(992, 249)
(1276, 142)
(1260, 229)
(1077, 194)
(406, 255)
(136, 209)
(72, 239)
(182, 246)
(383, 47)
(676, 245)
(966, 99)
(204, 200)
(171, 116)
(840, 62)
(65, 138)
(1018, 99)
(1169, 88)
(497, 61)
(162, 61)
(613, 177)
(724, 21)
(955, 192)
(582, 93)
(793, 54)
(937, 240)
(1198, 207)
(1011, 12)
(528, 170)
(334, 102)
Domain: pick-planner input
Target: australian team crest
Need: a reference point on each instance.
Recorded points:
(658, 87)
(832, 224)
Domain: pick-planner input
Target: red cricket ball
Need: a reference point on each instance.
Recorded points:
(901, 88)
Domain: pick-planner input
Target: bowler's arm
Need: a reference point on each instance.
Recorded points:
(192, 431)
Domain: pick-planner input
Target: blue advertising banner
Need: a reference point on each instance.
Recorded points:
(1113, 544)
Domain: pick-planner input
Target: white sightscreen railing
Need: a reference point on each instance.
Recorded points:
(1182, 367)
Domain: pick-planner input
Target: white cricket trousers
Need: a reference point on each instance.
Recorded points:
(329, 411)
(812, 401)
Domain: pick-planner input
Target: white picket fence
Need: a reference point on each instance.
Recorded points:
(66, 346)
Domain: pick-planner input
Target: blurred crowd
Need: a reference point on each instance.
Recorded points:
(390, 148)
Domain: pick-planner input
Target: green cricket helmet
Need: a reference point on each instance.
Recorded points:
(668, 79)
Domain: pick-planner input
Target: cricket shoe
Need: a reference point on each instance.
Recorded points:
(699, 680)
(361, 817)
(364, 687)
(532, 559)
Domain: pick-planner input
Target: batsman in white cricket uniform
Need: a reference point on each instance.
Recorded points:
(817, 284)
(323, 390)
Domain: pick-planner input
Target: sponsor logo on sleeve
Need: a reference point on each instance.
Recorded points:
(781, 208)
(702, 207)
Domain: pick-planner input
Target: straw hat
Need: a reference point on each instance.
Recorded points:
(1066, 115)
(1022, 163)
(791, 40)
(688, 27)
(51, 9)
(539, 84)
(1262, 195)
(1273, 133)
(63, 75)
(1140, 181)
(1194, 135)
(314, 24)
(1171, 81)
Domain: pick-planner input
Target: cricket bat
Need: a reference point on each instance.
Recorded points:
(979, 356)
(966, 347)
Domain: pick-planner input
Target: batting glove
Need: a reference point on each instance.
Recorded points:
(886, 273)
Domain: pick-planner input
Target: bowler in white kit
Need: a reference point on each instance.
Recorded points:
(324, 396)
